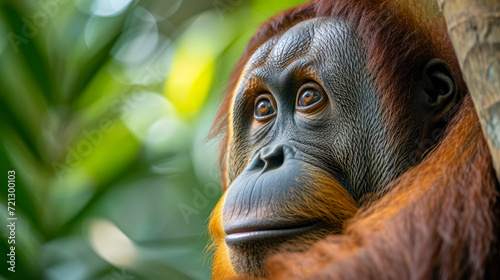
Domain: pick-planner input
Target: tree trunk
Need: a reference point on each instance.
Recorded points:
(474, 28)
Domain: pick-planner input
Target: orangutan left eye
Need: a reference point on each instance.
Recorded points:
(309, 97)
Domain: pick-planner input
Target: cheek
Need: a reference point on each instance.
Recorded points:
(343, 147)
(238, 152)
(238, 158)
(321, 197)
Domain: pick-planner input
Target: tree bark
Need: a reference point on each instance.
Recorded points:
(474, 28)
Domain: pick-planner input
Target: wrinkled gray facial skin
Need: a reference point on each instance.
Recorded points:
(349, 138)
(346, 139)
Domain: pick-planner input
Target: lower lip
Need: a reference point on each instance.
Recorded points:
(241, 238)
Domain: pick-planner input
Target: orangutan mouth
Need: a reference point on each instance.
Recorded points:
(251, 232)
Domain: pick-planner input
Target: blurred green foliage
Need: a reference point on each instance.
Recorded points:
(105, 107)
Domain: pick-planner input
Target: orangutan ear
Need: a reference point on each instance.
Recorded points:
(436, 91)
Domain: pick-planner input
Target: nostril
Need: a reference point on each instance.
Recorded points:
(257, 164)
(270, 157)
(274, 158)
(275, 162)
(260, 164)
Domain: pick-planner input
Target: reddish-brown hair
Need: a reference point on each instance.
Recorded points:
(398, 37)
(438, 219)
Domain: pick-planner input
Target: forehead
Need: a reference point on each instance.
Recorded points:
(319, 39)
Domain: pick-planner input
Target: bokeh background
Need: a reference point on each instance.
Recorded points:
(105, 108)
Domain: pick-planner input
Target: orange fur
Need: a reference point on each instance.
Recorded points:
(438, 220)
(309, 204)
(221, 268)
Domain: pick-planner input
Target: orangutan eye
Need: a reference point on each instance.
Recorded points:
(264, 108)
(308, 97)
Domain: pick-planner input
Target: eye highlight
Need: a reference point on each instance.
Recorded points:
(264, 107)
